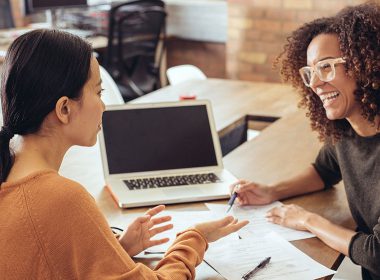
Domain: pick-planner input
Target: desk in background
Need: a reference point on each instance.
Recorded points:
(281, 150)
(97, 42)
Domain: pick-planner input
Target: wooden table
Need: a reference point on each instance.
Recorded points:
(233, 100)
(284, 148)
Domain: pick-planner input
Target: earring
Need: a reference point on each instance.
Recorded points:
(365, 98)
(373, 106)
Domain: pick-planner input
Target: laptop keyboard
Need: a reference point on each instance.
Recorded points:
(161, 182)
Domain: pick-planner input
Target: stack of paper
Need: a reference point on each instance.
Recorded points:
(233, 259)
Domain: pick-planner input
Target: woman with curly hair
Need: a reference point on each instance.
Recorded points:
(334, 63)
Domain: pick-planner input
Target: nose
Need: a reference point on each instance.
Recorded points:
(315, 82)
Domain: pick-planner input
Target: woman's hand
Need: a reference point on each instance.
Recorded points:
(215, 230)
(291, 216)
(250, 193)
(137, 237)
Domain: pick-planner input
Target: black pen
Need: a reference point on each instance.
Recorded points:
(233, 197)
(260, 266)
(231, 201)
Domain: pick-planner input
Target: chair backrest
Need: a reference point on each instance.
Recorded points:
(111, 94)
(135, 46)
(182, 73)
(6, 18)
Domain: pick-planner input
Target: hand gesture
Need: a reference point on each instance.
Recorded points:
(137, 237)
(291, 216)
(250, 193)
(215, 230)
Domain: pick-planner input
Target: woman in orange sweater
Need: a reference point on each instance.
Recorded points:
(50, 226)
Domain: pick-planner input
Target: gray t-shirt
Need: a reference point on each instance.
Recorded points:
(356, 160)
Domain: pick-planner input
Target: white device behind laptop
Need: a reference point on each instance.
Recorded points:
(145, 146)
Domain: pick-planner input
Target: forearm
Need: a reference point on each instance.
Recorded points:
(306, 182)
(184, 255)
(333, 235)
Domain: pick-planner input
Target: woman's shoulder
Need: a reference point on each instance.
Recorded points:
(49, 190)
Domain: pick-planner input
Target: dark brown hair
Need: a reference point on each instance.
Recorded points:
(40, 67)
(358, 31)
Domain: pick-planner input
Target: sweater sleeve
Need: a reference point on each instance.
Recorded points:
(179, 258)
(78, 243)
(327, 167)
(364, 250)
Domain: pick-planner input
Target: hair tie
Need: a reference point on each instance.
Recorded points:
(6, 132)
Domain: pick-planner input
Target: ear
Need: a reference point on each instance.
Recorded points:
(62, 109)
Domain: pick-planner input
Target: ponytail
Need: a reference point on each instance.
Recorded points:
(6, 158)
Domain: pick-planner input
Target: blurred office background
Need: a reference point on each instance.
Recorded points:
(234, 39)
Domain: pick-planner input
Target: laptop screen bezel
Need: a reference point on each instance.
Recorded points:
(164, 172)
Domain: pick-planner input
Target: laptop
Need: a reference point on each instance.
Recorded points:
(162, 153)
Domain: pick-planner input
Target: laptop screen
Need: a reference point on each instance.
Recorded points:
(152, 139)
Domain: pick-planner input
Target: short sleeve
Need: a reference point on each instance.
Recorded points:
(327, 167)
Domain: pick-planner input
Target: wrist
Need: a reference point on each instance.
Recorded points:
(311, 219)
(274, 193)
(199, 231)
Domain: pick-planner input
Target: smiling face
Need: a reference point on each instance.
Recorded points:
(337, 95)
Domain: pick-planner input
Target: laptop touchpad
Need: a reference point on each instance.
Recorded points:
(183, 192)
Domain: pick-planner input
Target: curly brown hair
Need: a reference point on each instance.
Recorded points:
(358, 31)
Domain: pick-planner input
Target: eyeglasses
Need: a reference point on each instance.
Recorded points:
(324, 69)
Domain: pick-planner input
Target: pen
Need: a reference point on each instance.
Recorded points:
(232, 198)
(231, 201)
(261, 265)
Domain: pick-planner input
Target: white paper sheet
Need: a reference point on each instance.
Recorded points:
(234, 258)
(258, 224)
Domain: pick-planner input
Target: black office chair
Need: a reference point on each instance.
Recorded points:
(136, 41)
(6, 18)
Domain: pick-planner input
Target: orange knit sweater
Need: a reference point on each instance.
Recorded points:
(51, 228)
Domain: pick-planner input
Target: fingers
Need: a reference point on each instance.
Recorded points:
(234, 226)
(244, 187)
(276, 211)
(224, 221)
(152, 243)
(160, 220)
(155, 210)
(142, 219)
(282, 210)
(237, 184)
(276, 220)
(221, 223)
(242, 200)
(238, 225)
(288, 215)
(160, 229)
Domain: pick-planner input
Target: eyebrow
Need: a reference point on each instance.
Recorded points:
(323, 58)
(327, 57)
